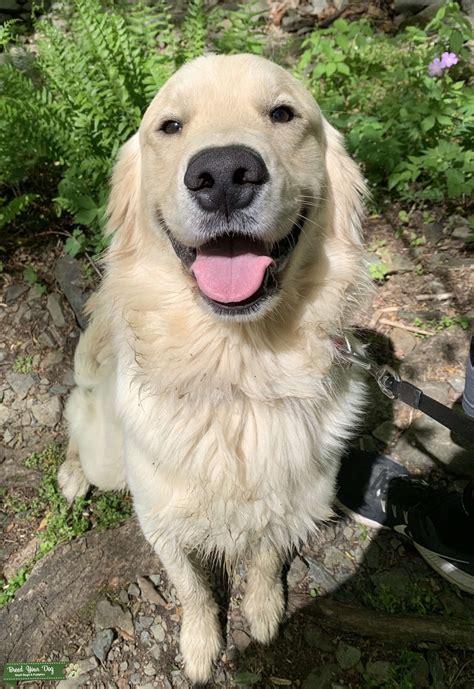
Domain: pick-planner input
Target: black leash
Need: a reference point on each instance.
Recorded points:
(394, 387)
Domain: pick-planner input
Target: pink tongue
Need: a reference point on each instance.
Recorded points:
(230, 270)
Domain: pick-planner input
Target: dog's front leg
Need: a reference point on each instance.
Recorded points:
(201, 639)
(264, 603)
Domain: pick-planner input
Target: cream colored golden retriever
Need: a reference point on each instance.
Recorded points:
(208, 382)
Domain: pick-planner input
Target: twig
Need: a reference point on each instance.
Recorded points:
(397, 628)
(91, 261)
(438, 297)
(379, 312)
(402, 326)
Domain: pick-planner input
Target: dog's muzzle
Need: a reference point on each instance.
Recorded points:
(236, 273)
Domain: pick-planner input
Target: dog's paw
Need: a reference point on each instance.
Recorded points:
(71, 479)
(200, 644)
(263, 607)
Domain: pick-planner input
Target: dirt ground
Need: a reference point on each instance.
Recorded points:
(355, 595)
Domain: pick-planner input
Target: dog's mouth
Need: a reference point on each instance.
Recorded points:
(235, 273)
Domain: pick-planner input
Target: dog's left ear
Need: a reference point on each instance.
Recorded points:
(347, 189)
(123, 200)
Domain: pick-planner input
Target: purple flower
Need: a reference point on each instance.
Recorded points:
(448, 60)
(437, 67)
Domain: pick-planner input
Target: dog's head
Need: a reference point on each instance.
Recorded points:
(242, 175)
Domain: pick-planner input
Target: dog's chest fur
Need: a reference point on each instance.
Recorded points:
(226, 443)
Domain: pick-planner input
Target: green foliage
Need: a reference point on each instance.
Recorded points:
(8, 589)
(412, 132)
(60, 521)
(31, 277)
(419, 601)
(10, 209)
(70, 104)
(242, 32)
(23, 364)
(402, 675)
(88, 90)
(378, 271)
(443, 323)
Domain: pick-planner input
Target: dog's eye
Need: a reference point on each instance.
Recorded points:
(282, 114)
(171, 127)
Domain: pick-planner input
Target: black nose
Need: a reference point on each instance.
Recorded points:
(225, 178)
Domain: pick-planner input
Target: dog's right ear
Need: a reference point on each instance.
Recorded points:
(123, 200)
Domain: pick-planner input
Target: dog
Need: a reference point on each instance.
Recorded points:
(208, 382)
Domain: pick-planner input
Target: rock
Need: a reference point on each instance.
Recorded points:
(149, 592)
(427, 442)
(20, 558)
(149, 670)
(68, 378)
(52, 359)
(72, 683)
(45, 339)
(86, 665)
(241, 639)
(416, 12)
(379, 670)
(20, 383)
(433, 232)
(443, 350)
(419, 671)
(317, 638)
(5, 414)
(155, 651)
(461, 229)
(320, 578)
(15, 291)
(396, 580)
(68, 273)
(386, 432)
(321, 678)
(372, 556)
(102, 643)
(108, 616)
(8, 436)
(145, 638)
(399, 263)
(334, 558)
(145, 621)
(297, 572)
(457, 384)
(47, 413)
(347, 656)
(403, 342)
(56, 311)
(133, 590)
(436, 668)
(158, 632)
(58, 390)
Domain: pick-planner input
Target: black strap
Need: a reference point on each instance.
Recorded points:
(416, 398)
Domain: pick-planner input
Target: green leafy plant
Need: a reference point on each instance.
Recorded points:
(378, 271)
(31, 277)
(86, 92)
(412, 132)
(23, 364)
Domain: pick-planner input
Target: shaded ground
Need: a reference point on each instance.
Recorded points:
(104, 602)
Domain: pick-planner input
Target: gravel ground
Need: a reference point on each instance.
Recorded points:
(126, 633)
